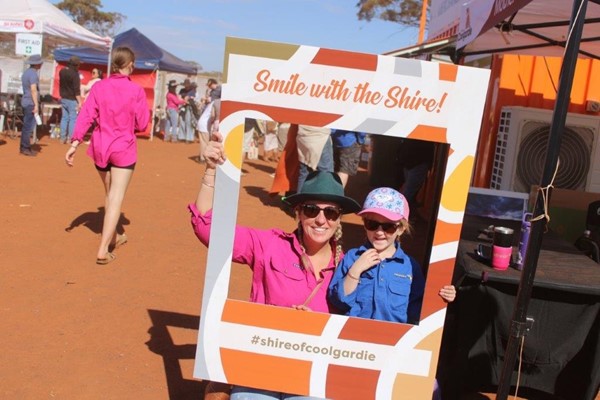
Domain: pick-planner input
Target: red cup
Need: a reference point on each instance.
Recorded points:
(502, 248)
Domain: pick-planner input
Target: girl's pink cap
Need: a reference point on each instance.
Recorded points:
(387, 202)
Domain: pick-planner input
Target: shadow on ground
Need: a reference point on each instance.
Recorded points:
(162, 343)
(93, 221)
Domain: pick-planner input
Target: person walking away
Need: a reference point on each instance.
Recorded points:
(120, 109)
(30, 102)
(70, 98)
(173, 104)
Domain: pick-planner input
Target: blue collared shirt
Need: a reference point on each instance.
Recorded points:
(390, 291)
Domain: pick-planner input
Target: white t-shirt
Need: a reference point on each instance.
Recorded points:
(205, 118)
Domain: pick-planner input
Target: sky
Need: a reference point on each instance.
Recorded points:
(195, 30)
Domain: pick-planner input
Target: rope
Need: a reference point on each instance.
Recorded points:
(544, 192)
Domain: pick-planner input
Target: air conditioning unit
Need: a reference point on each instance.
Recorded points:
(522, 145)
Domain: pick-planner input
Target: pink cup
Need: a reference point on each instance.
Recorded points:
(502, 248)
(501, 257)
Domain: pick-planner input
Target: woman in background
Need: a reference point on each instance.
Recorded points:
(119, 108)
(96, 77)
(173, 103)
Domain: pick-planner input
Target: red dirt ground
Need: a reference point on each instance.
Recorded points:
(74, 330)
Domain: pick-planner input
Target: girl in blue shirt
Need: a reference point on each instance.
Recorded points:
(378, 280)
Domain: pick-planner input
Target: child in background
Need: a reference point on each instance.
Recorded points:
(378, 280)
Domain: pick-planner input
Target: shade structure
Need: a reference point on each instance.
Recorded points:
(41, 17)
(149, 56)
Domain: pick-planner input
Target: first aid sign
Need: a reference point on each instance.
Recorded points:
(28, 44)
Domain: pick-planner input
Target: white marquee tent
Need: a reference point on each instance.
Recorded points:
(42, 17)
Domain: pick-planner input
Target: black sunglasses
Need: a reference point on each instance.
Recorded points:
(387, 227)
(330, 212)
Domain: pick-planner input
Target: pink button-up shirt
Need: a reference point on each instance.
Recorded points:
(174, 101)
(119, 107)
(278, 277)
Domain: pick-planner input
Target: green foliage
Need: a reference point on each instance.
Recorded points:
(405, 12)
(87, 13)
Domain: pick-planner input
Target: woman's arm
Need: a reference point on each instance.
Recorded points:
(214, 154)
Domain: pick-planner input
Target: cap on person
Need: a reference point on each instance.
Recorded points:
(35, 59)
(387, 202)
(75, 61)
(325, 186)
(172, 83)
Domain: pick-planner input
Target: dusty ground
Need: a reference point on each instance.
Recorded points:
(74, 330)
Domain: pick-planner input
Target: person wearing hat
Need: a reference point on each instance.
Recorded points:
(289, 269)
(70, 97)
(188, 118)
(378, 280)
(173, 104)
(30, 101)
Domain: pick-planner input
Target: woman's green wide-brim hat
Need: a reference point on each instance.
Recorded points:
(325, 186)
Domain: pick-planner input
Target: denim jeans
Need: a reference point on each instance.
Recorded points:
(28, 127)
(246, 393)
(325, 164)
(67, 121)
(186, 132)
(172, 118)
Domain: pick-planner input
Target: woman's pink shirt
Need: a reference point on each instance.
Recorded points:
(119, 108)
(173, 101)
(278, 277)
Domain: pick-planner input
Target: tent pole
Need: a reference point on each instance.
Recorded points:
(156, 84)
(110, 48)
(422, 22)
(520, 324)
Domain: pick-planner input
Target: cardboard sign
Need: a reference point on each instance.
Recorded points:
(318, 354)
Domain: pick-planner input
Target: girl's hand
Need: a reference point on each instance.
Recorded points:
(448, 293)
(366, 260)
(214, 153)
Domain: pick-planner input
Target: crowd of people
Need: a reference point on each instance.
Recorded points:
(191, 114)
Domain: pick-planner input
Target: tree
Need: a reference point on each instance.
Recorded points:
(87, 13)
(405, 12)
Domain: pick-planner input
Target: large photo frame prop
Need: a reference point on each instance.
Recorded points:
(320, 354)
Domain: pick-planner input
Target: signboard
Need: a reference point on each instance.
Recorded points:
(28, 44)
(319, 354)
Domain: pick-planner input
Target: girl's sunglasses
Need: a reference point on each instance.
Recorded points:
(330, 212)
(387, 227)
